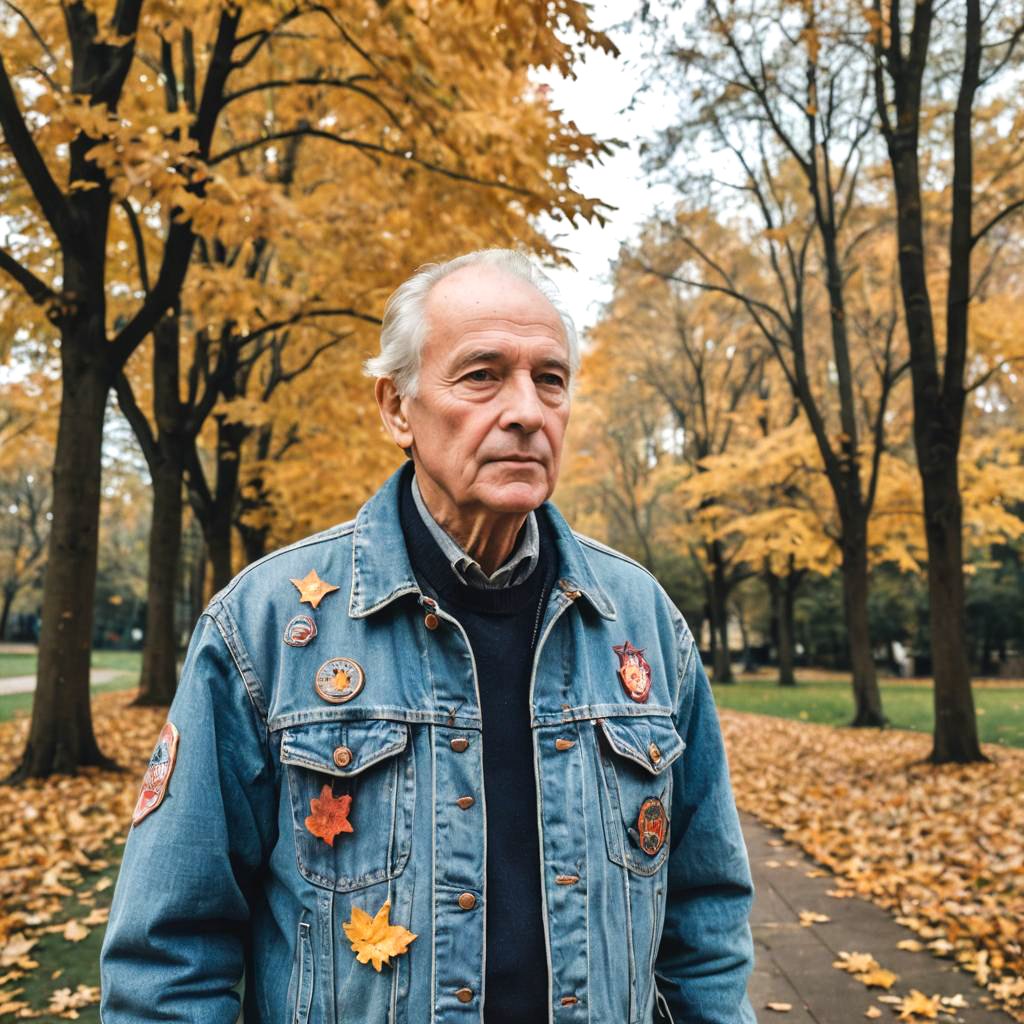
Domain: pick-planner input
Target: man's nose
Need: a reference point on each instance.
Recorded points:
(523, 408)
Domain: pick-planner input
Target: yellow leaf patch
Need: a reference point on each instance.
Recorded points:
(374, 939)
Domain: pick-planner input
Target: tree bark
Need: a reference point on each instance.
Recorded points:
(938, 397)
(61, 736)
(722, 665)
(5, 610)
(165, 454)
(866, 696)
(955, 736)
(158, 680)
(787, 599)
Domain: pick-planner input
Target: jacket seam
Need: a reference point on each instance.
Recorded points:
(325, 536)
(243, 663)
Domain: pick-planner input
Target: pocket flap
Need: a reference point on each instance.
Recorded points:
(343, 748)
(649, 741)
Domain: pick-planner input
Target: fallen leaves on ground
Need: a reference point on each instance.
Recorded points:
(809, 917)
(56, 836)
(942, 847)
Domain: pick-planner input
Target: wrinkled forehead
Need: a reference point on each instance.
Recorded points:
(480, 298)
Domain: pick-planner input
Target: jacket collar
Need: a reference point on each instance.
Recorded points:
(380, 563)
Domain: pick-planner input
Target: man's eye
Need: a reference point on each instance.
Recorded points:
(552, 380)
(479, 376)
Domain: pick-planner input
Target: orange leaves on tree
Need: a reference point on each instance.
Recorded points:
(330, 815)
(375, 939)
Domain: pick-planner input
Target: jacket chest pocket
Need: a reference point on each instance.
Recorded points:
(635, 754)
(352, 792)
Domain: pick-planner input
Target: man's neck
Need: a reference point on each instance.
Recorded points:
(485, 536)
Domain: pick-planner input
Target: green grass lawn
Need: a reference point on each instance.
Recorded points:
(907, 704)
(126, 663)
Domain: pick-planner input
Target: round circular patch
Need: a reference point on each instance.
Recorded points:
(652, 824)
(299, 631)
(339, 679)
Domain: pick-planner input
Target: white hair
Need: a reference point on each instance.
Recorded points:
(404, 328)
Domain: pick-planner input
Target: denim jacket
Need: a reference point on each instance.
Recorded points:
(224, 879)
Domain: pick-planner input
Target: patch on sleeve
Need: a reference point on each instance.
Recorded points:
(158, 773)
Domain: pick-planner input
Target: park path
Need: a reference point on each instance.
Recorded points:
(26, 684)
(793, 963)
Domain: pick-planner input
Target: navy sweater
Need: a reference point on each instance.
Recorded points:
(502, 625)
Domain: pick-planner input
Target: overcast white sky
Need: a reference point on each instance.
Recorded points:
(597, 101)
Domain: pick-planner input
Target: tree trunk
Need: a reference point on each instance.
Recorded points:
(165, 452)
(160, 655)
(866, 696)
(5, 610)
(956, 731)
(61, 736)
(720, 618)
(787, 595)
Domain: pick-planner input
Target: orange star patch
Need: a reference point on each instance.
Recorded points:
(375, 938)
(313, 589)
(330, 815)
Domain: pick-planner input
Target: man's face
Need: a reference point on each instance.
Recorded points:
(487, 424)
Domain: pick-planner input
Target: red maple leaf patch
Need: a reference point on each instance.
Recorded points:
(330, 815)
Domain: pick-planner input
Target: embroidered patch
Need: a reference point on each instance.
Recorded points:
(158, 773)
(329, 815)
(339, 680)
(299, 631)
(652, 825)
(312, 589)
(634, 672)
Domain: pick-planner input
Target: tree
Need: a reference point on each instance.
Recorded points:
(114, 153)
(914, 58)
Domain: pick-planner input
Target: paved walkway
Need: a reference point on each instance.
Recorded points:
(26, 684)
(794, 963)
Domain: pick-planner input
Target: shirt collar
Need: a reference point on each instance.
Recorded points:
(381, 572)
(517, 568)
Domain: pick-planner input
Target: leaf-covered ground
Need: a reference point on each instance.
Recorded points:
(59, 844)
(940, 847)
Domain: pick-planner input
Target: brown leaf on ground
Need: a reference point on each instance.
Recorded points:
(809, 917)
(918, 1006)
(779, 1007)
(880, 978)
(941, 847)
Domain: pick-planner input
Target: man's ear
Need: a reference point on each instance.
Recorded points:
(392, 412)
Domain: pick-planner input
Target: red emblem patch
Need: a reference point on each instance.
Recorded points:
(652, 824)
(158, 773)
(634, 672)
(299, 631)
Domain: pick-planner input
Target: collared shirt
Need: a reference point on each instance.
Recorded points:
(520, 563)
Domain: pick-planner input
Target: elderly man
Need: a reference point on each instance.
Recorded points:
(450, 761)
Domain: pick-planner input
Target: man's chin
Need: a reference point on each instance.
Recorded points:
(517, 498)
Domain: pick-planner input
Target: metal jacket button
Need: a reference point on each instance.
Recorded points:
(342, 757)
(459, 744)
(430, 620)
(562, 744)
(464, 995)
(654, 752)
(465, 802)
(467, 901)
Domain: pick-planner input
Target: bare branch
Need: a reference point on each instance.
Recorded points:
(31, 163)
(38, 291)
(369, 147)
(140, 248)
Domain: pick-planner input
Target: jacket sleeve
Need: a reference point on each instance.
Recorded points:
(706, 952)
(174, 946)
